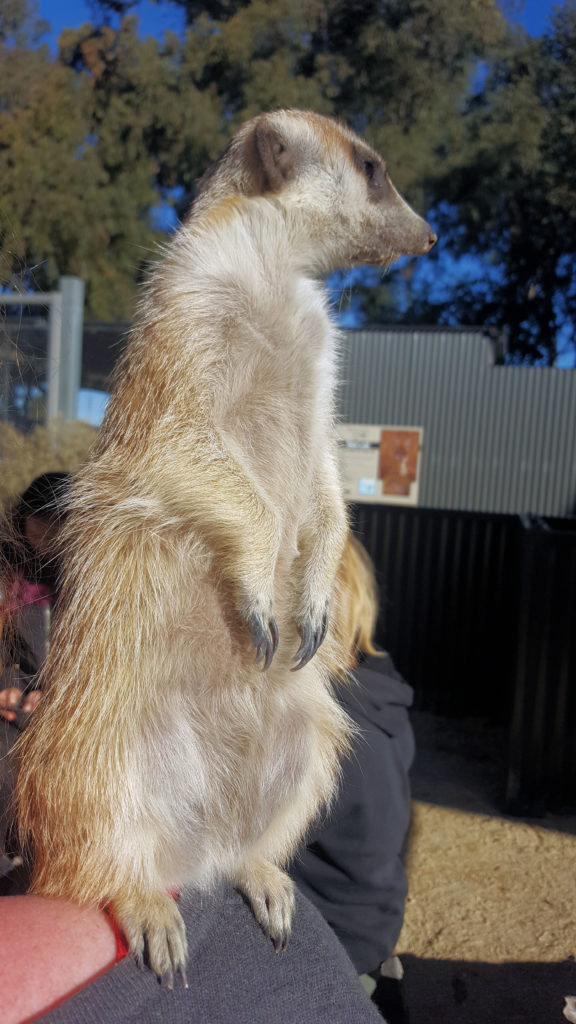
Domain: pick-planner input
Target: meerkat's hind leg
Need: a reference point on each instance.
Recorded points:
(155, 933)
(270, 893)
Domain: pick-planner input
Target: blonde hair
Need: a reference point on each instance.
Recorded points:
(358, 601)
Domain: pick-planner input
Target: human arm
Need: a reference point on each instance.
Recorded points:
(64, 952)
(48, 950)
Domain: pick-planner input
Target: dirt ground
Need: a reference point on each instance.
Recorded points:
(490, 928)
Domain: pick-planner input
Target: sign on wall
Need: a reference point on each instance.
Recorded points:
(380, 464)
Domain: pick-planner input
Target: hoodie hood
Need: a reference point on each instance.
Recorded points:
(377, 695)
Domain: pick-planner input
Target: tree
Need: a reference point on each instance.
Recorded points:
(88, 144)
(474, 120)
(57, 212)
(396, 70)
(20, 24)
(508, 203)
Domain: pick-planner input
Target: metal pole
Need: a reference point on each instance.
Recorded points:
(72, 321)
(54, 357)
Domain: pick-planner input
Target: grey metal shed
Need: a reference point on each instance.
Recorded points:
(497, 438)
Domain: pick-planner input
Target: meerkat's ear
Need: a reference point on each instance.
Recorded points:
(275, 158)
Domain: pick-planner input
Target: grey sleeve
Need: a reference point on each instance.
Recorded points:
(234, 976)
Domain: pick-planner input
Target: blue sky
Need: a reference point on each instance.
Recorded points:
(156, 18)
(533, 14)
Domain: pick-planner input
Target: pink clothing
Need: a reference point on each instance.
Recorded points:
(23, 593)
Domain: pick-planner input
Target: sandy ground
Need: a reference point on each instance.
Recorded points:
(490, 928)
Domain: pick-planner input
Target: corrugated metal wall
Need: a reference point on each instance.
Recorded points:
(496, 438)
(449, 603)
(478, 612)
(542, 756)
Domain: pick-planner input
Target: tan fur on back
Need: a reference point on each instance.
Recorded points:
(163, 755)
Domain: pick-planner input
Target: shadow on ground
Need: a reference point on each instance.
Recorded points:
(461, 764)
(457, 992)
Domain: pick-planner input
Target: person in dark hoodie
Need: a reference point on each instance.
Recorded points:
(28, 573)
(28, 536)
(352, 867)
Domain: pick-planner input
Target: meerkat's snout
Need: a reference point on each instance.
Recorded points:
(417, 240)
(404, 230)
(426, 242)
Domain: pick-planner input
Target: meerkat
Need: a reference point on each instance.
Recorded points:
(187, 732)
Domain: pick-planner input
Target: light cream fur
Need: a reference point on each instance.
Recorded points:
(210, 509)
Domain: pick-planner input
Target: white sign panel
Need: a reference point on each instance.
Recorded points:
(380, 464)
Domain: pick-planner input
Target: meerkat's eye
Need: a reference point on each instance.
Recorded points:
(373, 172)
(369, 169)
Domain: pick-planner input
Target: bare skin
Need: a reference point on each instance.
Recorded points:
(48, 950)
(11, 698)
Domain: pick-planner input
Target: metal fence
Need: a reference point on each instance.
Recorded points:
(479, 614)
(41, 355)
(447, 581)
(542, 756)
(496, 438)
(23, 372)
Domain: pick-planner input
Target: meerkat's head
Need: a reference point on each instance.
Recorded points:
(334, 188)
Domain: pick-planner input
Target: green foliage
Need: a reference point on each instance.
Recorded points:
(395, 70)
(476, 122)
(509, 197)
(19, 22)
(88, 143)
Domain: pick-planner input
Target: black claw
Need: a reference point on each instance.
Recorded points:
(323, 628)
(264, 639)
(167, 980)
(271, 643)
(181, 973)
(306, 649)
(310, 641)
(256, 630)
(274, 635)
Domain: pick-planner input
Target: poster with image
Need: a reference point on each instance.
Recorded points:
(380, 464)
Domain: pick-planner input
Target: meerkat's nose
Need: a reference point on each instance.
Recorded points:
(432, 239)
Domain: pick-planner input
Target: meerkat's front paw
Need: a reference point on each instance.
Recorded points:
(270, 893)
(312, 629)
(155, 933)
